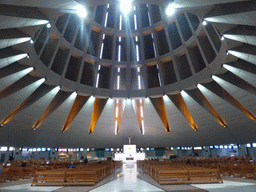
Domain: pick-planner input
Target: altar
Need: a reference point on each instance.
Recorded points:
(129, 154)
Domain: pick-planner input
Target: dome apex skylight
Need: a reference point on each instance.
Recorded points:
(125, 6)
(113, 55)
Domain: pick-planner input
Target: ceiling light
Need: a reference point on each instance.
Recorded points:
(81, 11)
(204, 22)
(31, 41)
(48, 25)
(125, 6)
(170, 10)
(27, 55)
(222, 38)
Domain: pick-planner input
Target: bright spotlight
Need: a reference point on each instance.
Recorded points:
(222, 38)
(170, 10)
(81, 11)
(31, 41)
(204, 22)
(48, 25)
(125, 6)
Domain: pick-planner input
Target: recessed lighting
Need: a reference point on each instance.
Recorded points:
(48, 25)
(31, 41)
(81, 11)
(204, 22)
(125, 6)
(222, 38)
(170, 10)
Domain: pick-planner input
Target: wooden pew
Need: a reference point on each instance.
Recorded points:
(4, 176)
(225, 169)
(14, 173)
(27, 172)
(173, 177)
(236, 170)
(49, 177)
(248, 171)
(205, 176)
(80, 177)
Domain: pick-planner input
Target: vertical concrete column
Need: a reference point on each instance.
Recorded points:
(83, 153)
(53, 153)
(175, 151)
(207, 152)
(242, 151)
(17, 154)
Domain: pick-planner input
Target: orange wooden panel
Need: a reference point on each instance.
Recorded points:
(181, 105)
(98, 107)
(138, 106)
(76, 108)
(159, 106)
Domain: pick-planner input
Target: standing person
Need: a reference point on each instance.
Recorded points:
(11, 158)
(85, 160)
(1, 172)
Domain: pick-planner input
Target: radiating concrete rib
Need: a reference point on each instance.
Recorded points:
(18, 85)
(7, 22)
(138, 106)
(76, 108)
(246, 48)
(59, 98)
(195, 3)
(10, 42)
(119, 111)
(222, 93)
(181, 105)
(21, 11)
(237, 81)
(245, 52)
(56, 4)
(9, 52)
(197, 95)
(9, 37)
(232, 8)
(11, 59)
(11, 69)
(35, 96)
(245, 34)
(242, 38)
(159, 106)
(242, 30)
(244, 65)
(98, 107)
(247, 18)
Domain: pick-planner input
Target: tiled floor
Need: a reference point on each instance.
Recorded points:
(227, 186)
(128, 179)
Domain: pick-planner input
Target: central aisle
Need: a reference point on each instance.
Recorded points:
(127, 181)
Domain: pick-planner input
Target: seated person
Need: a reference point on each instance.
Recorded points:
(85, 160)
(23, 164)
(71, 165)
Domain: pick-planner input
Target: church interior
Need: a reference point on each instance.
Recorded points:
(134, 95)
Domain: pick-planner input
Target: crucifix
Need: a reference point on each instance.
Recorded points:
(129, 140)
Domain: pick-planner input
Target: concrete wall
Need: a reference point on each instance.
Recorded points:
(91, 155)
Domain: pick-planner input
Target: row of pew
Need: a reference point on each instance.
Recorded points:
(57, 173)
(165, 172)
(228, 166)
